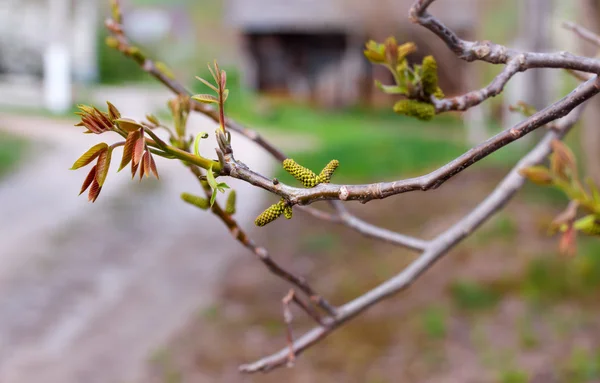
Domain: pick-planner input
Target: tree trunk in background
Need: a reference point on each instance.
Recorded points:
(534, 86)
(57, 68)
(590, 134)
(476, 119)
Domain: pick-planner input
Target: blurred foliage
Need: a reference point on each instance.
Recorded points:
(473, 296)
(11, 152)
(434, 324)
(582, 366)
(114, 67)
(513, 376)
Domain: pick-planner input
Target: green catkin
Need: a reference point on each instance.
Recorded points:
(230, 204)
(199, 202)
(302, 174)
(418, 109)
(271, 214)
(325, 175)
(430, 76)
(287, 212)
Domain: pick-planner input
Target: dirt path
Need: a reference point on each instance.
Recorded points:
(89, 291)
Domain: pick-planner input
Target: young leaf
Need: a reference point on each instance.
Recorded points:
(113, 112)
(208, 84)
(537, 174)
(199, 136)
(88, 180)
(94, 191)
(128, 125)
(221, 186)
(89, 156)
(103, 165)
(134, 168)
(564, 155)
(152, 118)
(225, 95)
(213, 198)
(594, 190)
(146, 161)
(138, 149)
(153, 166)
(211, 179)
(223, 79)
(132, 138)
(206, 99)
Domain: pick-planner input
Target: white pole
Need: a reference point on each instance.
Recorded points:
(57, 68)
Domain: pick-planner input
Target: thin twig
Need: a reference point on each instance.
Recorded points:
(582, 32)
(287, 319)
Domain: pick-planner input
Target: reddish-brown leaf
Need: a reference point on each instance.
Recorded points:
(128, 125)
(91, 124)
(153, 166)
(564, 155)
(223, 79)
(94, 191)
(568, 244)
(113, 112)
(144, 165)
(128, 149)
(88, 180)
(90, 155)
(134, 168)
(103, 119)
(103, 166)
(138, 149)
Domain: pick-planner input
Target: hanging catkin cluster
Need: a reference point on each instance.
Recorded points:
(430, 78)
(302, 174)
(272, 213)
(307, 177)
(413, 108)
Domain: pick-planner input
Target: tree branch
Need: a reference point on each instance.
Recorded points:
(437, 248)
(432, 180)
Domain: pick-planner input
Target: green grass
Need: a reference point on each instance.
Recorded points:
(472, 296)
(11, 152)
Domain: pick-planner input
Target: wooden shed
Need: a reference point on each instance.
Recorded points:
(312, 49)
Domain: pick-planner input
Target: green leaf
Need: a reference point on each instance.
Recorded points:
(208, 84)
(205, 98)
(221, 186)
(90, 155)
(213, 198)
(392, 89)
(128, 125)
(152, 118)
(593, 190)
(200, 136)
(225, 95)
(211, 179)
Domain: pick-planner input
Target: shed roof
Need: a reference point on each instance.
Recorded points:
(336, 14)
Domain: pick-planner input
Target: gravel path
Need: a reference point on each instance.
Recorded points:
(89, 291)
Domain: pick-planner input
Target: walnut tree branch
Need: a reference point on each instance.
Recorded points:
(432, 180)
(436, 249)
